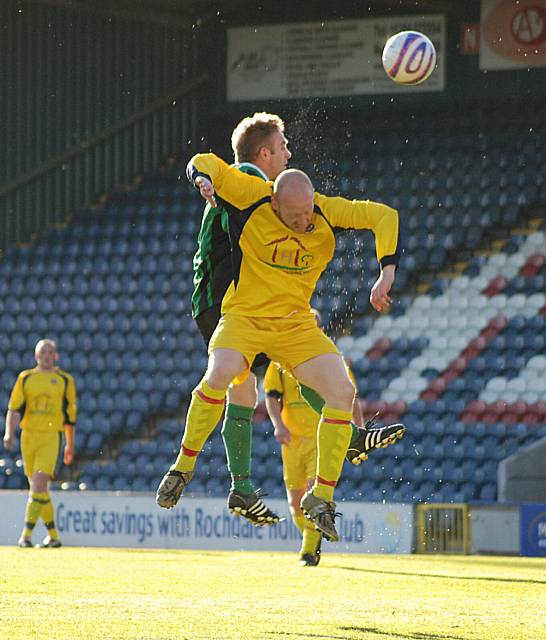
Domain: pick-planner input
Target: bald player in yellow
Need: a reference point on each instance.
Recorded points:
(282, 239)
(43, 403)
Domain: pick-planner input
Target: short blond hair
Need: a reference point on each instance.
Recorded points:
(43, 342)
(252, 133)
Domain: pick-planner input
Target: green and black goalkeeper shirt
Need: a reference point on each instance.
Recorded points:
(212, 266)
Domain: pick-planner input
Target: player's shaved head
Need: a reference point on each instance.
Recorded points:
(293, 182)
(292, 199)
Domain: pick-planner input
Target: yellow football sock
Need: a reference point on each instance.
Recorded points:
(311, 539)
(299, 521)
(334, 434)
(204, 413)
(35, 503)
(48, 516)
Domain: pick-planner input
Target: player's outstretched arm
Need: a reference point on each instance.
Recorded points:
(384, 222)
(379, 295)
(379, 218)
(211, 175)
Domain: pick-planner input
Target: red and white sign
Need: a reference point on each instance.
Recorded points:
(513, 34)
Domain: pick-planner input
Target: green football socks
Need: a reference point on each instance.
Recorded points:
(237, 436)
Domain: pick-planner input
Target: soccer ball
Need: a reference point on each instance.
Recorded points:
(409, 57)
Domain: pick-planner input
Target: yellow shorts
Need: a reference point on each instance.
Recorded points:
(299, 460)
(288, 341)
(42, 451)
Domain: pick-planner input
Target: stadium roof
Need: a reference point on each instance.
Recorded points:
(188, 13)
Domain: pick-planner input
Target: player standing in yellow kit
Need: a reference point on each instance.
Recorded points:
(296, 423)
(282, 239)
(43, 402)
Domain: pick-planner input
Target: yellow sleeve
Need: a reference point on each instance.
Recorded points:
(71, 404)
(17, 398)
(231, 185)
(272, 380)
(365, 214)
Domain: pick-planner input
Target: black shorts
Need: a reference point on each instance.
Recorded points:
(206, 323)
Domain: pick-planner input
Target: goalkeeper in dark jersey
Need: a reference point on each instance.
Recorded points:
(260, 149)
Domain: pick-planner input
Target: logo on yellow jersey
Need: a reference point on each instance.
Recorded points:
(290, 254)
(42, 403)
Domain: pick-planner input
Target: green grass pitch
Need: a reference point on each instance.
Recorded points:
(119, 594)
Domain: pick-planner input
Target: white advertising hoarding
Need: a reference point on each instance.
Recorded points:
(133, 520)
(513, 34)
(311, 59)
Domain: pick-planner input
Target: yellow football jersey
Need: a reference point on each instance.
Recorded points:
(296, 414)
(46, 400)
(276, 269)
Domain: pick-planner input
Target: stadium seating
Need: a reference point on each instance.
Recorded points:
(114, 289)
(462, 364)
(465, 364)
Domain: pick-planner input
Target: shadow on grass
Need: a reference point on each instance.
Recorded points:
(418, 635)
(440, 576)
(370, 631)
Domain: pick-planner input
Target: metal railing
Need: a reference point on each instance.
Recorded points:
(443, 528)
(79, 175)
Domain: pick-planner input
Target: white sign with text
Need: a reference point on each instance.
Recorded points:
(133, 520)
(333, 58)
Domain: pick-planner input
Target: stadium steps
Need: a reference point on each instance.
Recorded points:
(458, 261)
(483, 376)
